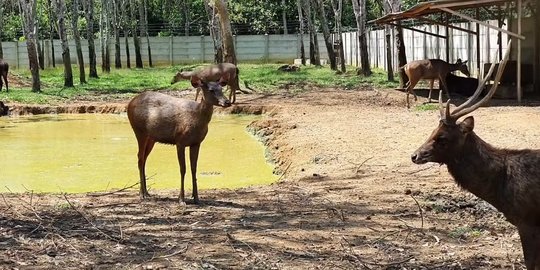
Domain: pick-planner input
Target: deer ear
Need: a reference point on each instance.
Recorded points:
(465, 62)
(467, 125)
(458, 61)
(196, 81)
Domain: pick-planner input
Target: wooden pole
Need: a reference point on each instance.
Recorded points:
(519, 90)
(478, 63)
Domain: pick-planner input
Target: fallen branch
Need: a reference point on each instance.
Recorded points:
(89, 221)
(112, 192)
(419, 209)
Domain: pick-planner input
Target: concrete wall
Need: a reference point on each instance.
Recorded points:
(176, 50)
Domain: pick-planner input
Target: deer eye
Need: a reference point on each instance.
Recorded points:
(443, 141)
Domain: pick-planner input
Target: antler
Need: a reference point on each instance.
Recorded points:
(466, 107)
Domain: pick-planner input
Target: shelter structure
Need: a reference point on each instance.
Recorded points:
(444, 12)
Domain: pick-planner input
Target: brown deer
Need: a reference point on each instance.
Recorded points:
(157, 117)
(4, 68)
(507, 179)
(213, 73)
(431, 69)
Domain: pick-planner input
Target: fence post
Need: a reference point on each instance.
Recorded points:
(171, 60)
(266, 47)
(47, 56)
(203, 52)
(17, 60)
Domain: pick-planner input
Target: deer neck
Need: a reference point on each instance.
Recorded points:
(205, 110)
(480, 169)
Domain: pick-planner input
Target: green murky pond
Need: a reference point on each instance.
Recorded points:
(95, 152)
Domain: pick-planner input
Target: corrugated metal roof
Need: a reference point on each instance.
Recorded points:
(432, 7)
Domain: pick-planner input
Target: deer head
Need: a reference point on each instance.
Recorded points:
(213, 91)
(462, 66)
(446, 142)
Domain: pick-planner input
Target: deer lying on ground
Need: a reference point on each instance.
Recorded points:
(213, 73)
(431, 69)
(4, 110)
(507, 179)
(4, 68)
(157, 117)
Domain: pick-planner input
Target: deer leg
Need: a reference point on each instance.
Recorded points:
(442, 84)
(193, 157)
(530, 242)
(5, 79)
(197, 93)
(412, 84)
(181, 153)
(145, 146)
(430, 90)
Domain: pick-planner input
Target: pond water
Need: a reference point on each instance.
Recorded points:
(96, 152)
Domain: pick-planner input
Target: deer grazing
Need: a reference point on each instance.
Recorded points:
(507, 179)
(213, 73)
(431, 69)
(157, 117)
(4, 68)
(461, 85)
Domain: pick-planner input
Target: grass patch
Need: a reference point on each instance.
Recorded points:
(465, 232)
(427, 107)
(265, 78)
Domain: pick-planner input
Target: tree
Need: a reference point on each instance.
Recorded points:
(388, 9)
(301, 31)
(28, 11)
(60, 7)
(319, 6)
(1, 30)
(229, 53)
(77, 37)
(395, 6)
(136, 40)
(284, 16)
(89, 14)
(116, 30)
(337, 6)
(125, 27)
(314, 55)
(104, 23)
(359, 7)
(143, 14)
(51, 30)
(215, 32)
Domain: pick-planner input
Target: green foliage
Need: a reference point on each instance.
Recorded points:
(265, 78)
(427, 107)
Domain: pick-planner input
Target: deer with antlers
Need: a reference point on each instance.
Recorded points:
(507, 179)
(431, 69)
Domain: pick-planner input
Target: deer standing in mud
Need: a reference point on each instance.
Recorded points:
(507, 179)
(431, 69)
(4, 68)
(157, 117)
(213, 73)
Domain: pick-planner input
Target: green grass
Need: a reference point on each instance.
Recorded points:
(265, 78)
(427, 107)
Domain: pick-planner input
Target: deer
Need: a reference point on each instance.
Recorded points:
(4, 68)
(431, 69)
(156, 117)
(461, 85)
(4, 110)
(213, 73)
(508, 179)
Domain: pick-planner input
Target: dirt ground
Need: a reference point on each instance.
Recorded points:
(349, 198)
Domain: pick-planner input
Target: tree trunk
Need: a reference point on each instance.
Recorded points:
(214, 32)
(319, 6)
(337, 6)
(359, 7)
(60, 7)
(116, 30)
(186, 7)
(536, 64)
(284, 16)
(301, 30)
(136, 41)
(229, 53)
(51, 31)
(89, 14)
(41, 57)
(314, 55)
(28, 10)
(402, 57)
(388, 38)
(144, 29)
(1, 30)
(77, 37)
(125, 27)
